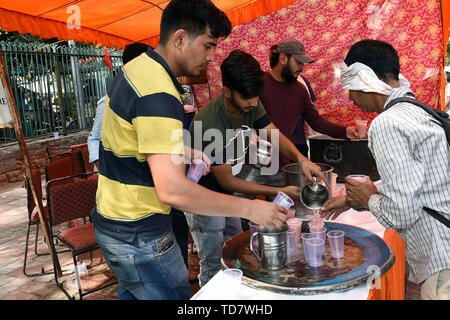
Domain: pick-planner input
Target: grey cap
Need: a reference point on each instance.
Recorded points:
(296, 49)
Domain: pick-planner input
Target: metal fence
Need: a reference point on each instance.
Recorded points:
(56, 88)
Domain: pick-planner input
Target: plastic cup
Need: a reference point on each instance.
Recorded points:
(296, 223)
(316, 216)
(196, 171)
(318, 223)
(358, 177)
(315, 249)
(361, 127)
(305, 237)
(321, 232)
(283, 200)
(291, 214)
(336, 240)
(232, 277)
(253, 227)
(290, 244)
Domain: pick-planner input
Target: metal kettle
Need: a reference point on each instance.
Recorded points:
(314, 194)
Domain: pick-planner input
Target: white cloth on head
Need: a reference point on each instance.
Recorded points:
(360, 77)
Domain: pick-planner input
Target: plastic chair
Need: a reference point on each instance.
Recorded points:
(71, 198)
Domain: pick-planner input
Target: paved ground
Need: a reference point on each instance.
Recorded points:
(14, 285)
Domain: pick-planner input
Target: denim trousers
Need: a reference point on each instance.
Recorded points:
(150, 268)
(209, 233)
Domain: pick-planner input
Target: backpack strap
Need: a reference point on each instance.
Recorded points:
(444, 120)
(435, 214)
(439, 115)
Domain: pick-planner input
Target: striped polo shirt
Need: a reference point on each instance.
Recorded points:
(413, 159)
(143, 115)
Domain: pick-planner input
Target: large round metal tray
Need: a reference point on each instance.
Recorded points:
(365, 255)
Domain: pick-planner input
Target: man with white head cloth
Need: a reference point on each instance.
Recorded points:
(413, 159)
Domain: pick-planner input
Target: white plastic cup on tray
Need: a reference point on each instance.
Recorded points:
(336, 240)
(320, 231)
(306, 236)
(283, 200)
(196, 171)
(315, 249)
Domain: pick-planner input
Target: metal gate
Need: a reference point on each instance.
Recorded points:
(56, 88)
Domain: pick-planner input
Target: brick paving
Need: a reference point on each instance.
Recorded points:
(14, 285)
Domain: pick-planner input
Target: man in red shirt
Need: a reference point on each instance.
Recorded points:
(287, 101)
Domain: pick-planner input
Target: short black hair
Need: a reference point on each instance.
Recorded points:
(241, 72)
(133, 50)
(194, 16)
(380, 56)
(448, 76)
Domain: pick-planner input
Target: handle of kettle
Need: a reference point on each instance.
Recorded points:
(333, 154)
(251, 245)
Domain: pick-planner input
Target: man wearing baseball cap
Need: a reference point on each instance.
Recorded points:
(288, 104)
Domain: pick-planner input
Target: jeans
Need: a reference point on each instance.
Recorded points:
(150, 268)
(209, 234)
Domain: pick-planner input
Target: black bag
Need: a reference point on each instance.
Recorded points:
(444, 120)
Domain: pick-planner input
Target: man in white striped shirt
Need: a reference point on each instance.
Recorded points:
(413, 160)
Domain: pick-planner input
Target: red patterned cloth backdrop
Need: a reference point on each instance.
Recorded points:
(328, 28)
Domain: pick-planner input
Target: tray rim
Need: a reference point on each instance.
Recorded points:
(344, 286)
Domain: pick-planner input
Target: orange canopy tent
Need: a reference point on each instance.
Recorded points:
(110, 22)
(117, 23)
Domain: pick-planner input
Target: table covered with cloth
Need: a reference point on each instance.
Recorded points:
(389, 286)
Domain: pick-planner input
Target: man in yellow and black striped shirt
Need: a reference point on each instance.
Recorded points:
(140, 115)
(142, 174)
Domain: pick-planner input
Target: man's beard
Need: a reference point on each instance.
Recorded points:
(287, 74)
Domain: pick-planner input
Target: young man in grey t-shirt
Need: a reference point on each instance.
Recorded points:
(237, 108)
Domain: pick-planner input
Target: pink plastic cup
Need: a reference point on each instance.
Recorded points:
(358, 177)
(290, 214)
(290, 244)
(361, 128)
(295, 223)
